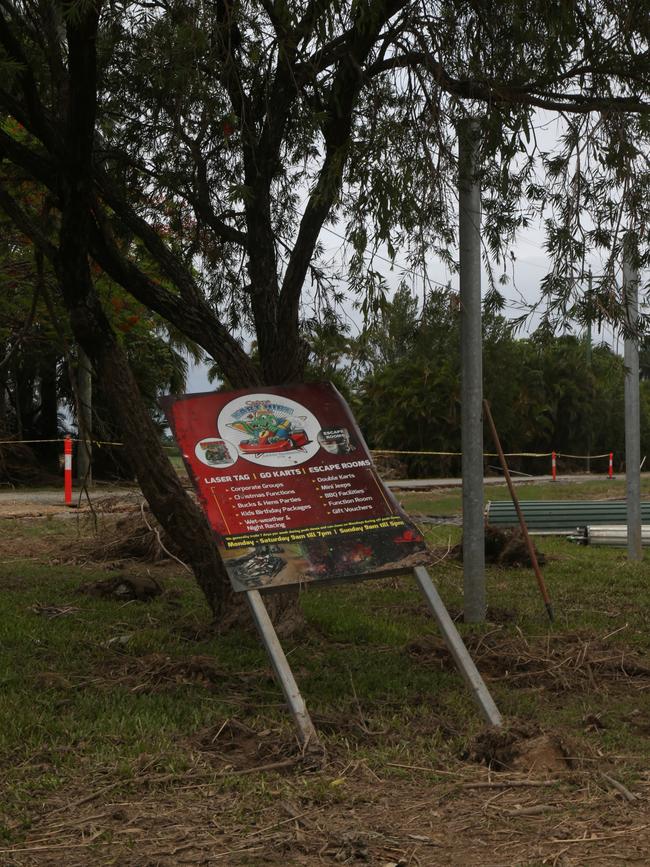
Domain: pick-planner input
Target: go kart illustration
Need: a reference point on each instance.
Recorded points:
(269, 433)
(268, 443)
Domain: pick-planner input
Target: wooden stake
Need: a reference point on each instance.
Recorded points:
(520, 514)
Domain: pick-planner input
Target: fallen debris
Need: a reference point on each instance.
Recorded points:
(509, 784)
(134, 536)
(504, 548)
(570, 662)
(52, 611)
(519, 748)
(142, 588)
(620, 788)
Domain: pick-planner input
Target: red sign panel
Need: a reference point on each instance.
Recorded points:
(288, 486)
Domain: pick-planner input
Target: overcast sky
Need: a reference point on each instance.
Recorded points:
(525, 272)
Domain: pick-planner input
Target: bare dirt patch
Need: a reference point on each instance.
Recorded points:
(41, 502)
(234, 746)
(336, 812)
(29, 510)
(521, 748)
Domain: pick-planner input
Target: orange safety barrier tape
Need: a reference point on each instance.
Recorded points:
(62, 440)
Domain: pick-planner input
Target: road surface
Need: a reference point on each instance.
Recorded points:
(35, 502)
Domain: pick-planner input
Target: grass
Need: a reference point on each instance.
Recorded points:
(443, 502)
(79, 704)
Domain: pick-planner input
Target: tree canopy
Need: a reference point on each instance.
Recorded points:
(240, 129)
(403, 379)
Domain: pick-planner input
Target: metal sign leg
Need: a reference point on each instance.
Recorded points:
(306, 731)
(457, 648)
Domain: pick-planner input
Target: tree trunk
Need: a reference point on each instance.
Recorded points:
(180, 517)
(84, 417)
(174, 509)
(48, 426)
(177, 513)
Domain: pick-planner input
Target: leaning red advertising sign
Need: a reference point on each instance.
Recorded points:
(289, 487)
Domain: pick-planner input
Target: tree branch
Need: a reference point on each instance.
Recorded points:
(344, 92)
(38, 165)
(169, 263)
(201, 203)
(27, 225)
(34, 107)
(504, 93)
(196, 320)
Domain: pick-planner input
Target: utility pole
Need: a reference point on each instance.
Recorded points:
(589, 313)
(471, 338)
(84, 417)
(632, 411)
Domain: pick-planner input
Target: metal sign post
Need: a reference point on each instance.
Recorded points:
(306, 731)
(632, 410)
(471, 425)
(457, 648)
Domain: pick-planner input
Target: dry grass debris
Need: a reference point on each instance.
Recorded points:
(567, 662)
(338, 813)
(135, 536)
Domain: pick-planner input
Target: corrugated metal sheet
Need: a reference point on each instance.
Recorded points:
(545, 515)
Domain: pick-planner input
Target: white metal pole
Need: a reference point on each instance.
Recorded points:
(306, 731)
(469, 194)
(632, 410)
(459, 652)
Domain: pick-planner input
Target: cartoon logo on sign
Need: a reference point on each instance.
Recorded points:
(271, 431)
